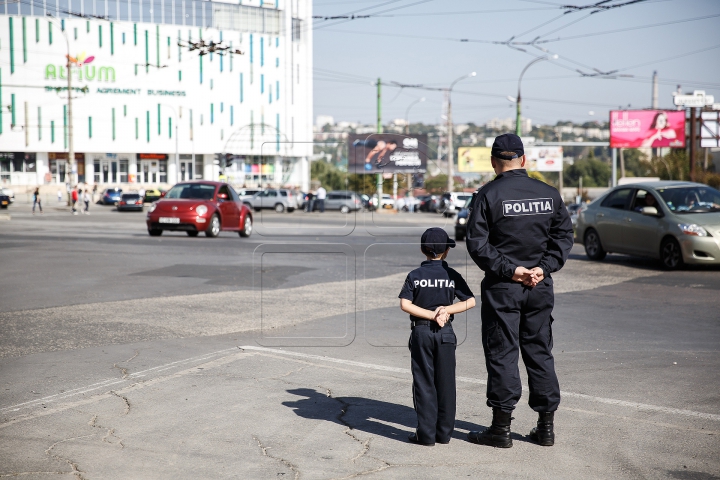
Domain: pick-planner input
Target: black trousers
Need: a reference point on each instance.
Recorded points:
(432, 351)
(518, 318)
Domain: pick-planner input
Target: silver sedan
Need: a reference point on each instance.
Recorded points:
(675, 222)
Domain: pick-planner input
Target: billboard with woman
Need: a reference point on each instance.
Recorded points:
(647, 128)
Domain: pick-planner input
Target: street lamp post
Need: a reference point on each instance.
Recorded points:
(518, 118)
(71, 145)
(450, 131)
(407, 131)
(407, 113)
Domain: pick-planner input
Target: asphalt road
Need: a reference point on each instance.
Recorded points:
(285, 356)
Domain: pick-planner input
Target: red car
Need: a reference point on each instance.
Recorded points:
(200, 206)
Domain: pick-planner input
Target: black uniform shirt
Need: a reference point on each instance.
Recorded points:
(516, 221)
(434, 284)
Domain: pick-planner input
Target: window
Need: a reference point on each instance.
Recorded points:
(283, 193)
(123, 170)
(296, 29)
(224, 190)
(191, 191)
(700, 199)
(272, 193)
(618, 199)
(644, 199)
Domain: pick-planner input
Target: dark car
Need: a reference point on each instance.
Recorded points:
(200, 206)
(111, 196)
(426, 202)
(4, 200)
(461, 221)
(130, 202)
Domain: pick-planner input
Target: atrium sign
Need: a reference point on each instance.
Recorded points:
(697, 99)
(81, 70)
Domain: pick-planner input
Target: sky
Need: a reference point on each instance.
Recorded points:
(418, 42)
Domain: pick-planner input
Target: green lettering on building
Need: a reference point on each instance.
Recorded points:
(50, 72)
(106, 71)
(59, 72)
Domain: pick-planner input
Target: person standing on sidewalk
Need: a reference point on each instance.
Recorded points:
(74, 198)
(320, 194)
(37, 201)
(86, 200)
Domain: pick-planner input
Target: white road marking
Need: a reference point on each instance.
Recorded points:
(581, 396)
(111, 381)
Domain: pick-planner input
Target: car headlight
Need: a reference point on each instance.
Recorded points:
(152, 208)
(693, 229)
(201, 209)
(462, 221)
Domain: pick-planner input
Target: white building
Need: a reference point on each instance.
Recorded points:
(322, 120)
(509, 124)
(142, 93)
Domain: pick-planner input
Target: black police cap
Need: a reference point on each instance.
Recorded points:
(507, 142)
(435, 241)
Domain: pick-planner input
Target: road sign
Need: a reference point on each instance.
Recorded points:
(697, 99)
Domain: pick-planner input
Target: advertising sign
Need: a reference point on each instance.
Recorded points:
(474, 160)
(387, 153)
(544, 159)
(710, 129)
(647, 128)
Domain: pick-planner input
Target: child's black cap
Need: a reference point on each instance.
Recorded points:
(435, 241)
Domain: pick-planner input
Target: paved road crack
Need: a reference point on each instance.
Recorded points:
(73, 465)
(348, 428)
(109, 432)
(265, 453)
(124, 370)
(125, 399)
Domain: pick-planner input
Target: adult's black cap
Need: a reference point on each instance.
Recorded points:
(435, 241)
(507, 142)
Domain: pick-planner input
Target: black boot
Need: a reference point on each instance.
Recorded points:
(498, 434)
(543, 433)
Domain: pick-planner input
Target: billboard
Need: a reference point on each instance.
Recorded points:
(387, 153)
(474, 160)
(544, 159)
(647, 128)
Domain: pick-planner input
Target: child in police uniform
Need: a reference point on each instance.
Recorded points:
(428, 295)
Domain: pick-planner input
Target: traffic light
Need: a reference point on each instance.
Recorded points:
(229, 159)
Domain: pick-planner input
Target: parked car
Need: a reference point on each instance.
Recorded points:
(10, 194)
(453, 202)
(4, 200)
(387, 201)
(426, 202)
(675, 222)
(130, 202)
(152, 194)
(198, 206)
(343, 200)
(246, 194)
(111, 196)
(574, 209)
(279, 199)
(461, 220)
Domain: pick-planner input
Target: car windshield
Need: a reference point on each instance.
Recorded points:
(196, 191)
(700, 199)
(468, 202)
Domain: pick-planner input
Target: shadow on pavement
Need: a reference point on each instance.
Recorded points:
(368, 415)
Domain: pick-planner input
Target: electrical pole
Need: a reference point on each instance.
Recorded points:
(692, 144)
(379, 130)
(71, 146)
(518, 118)
(614, 167)
(450, 152)
(655, 102)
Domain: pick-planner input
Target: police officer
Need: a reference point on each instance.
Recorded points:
(518, 233)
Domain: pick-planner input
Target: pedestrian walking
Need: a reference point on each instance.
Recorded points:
(86, 200)
(519, 233)
(37, 201)
(309, 202)
(74, 198)
(59, 194)
(94, 193)
(427, 296)
(320, 195)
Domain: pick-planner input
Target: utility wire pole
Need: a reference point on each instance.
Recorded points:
(451, 173)
(379, 130)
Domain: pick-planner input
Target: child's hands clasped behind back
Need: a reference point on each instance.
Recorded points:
(441, 316)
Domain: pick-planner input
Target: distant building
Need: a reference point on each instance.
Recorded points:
(508, 124)
(322, 120)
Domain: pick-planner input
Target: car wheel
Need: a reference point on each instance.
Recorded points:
(344, 209)
(247, 228)
(593, 246)
(257, 209)
(192, 233)
(154, 233)
(279, 207)
(671, 254)
(213, 229)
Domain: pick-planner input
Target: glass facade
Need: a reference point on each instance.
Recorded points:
(223, 16)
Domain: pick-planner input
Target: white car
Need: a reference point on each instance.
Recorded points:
(454, 201)
(246, 194)
(9, 193)
(387, 201)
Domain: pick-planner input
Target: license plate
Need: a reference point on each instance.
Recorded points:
(4, 202)
(131, 202)
(169, 220)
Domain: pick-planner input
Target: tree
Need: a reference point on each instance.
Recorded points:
(595, 173)
(436, 184)
(328, 175)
